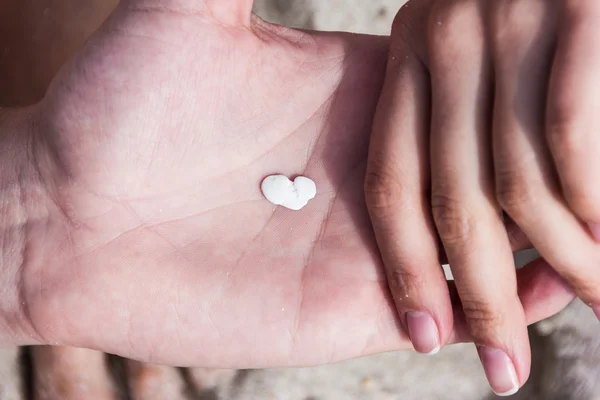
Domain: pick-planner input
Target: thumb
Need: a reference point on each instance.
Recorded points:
(226, 12)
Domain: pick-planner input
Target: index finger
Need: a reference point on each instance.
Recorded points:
(396, 188)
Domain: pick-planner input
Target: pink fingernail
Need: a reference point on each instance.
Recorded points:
(500, 371)
(595, 228)
(423, 332)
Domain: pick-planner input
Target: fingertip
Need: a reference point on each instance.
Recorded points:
(499, 370)
(423, 332)
(543, 292)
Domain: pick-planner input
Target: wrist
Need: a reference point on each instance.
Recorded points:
(22, 213)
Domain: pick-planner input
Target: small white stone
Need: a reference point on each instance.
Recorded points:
(279, 190)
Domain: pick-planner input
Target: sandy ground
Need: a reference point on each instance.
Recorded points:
(566, 349)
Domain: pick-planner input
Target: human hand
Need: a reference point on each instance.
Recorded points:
(488, 107)
(152, 146)
(151, 239)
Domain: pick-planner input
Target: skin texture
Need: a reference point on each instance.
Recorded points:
(132, 241)
(38, 44)
(488, 108)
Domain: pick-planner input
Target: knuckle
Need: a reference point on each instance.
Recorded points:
(448, 26)
(382, 186)
(513, 26)
(406, 34)
(565, 136)
(576, 11)
(455, 225)
(403, 280)
(410, 16)
(402, 22)
(515, 194)
(514, 19)
(571, 146)
(482, 318)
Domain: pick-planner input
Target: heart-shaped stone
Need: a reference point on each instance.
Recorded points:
(278, 189)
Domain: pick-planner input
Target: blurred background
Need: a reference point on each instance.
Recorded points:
(566, 353)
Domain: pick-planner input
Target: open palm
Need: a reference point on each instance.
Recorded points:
(152, 144)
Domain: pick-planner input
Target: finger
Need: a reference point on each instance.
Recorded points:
(226, 12)
(396, 188)
(542, 291)
(68, 373)
(526, 180)
(517, 239)
(468, 219)
(154, 382)
(572, 115)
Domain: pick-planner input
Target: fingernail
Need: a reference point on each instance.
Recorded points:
(595, 229)
(423, 332)
(500, 371)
